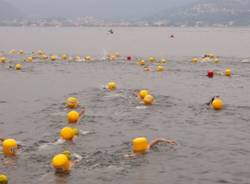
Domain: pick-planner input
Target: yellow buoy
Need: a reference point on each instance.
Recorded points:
(228, 72)
(9, 147)
(163, 61)
(143, 93)
(53, 58)
(64, 57)
(88, 58)
(217, 104)
(160, 68)
(13, 51)
(152, 59)
(20, 52)
(40, 52)
(18, 66)
(73, 117)
(61, 163)
(148, 100)
(216, 60)
(140, 145)
(117, 54)
(67, 133)
(29, 59)
(195, 60)
(111, 86)
(3, 179)
(141, 62)
(3, 59)
(72, 102)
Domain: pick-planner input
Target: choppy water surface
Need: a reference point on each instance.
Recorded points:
(213, 147)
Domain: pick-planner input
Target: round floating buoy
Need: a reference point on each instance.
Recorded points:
(140, 145)
(228, 72)
(129, 58)
(163, 61)
(210, 73)
(9, 147)
(195, 60)
(73, 117)
(72, 102)
(148, 100)
(3, 59)
(216, 60)
(3, 179)
(53, 58)
(152, 59)
(67, 133)
(160, 68)
(143, 93)
(20, 52)
(111, 86)
(141, 62)
(117, 54)
(78, 58)
(40, 52)
(64, 57)
(88, 58)
(29, 59)
(61, 162)
(217, 104)
(18, 66)
(13, 51)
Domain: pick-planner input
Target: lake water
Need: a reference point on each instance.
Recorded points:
(212, 146)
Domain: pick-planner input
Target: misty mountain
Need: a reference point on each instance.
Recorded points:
(208, 13)
(8, 11)
(107, 9)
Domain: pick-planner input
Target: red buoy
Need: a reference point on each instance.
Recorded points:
(129, 58)
(210, 73)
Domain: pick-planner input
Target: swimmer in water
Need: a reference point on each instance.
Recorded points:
(64, 162)
(10, 147)
(111, 31)
(211, 101)
(141, 145)
(172, 36)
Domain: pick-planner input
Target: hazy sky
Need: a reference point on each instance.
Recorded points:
(99, 8)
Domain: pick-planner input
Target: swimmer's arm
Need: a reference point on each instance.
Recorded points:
(161, 140)
(82, 112)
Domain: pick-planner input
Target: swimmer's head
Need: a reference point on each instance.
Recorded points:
(140, 145)
(160, 68)
(9, 147)
(76, 131)
(3, 179)
(73, 116)
(67, 154)
(61, 163)
(53, 57)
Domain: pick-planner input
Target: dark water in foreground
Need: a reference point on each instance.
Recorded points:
(213, 147)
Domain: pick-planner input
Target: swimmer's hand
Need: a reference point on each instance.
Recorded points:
(162, 140)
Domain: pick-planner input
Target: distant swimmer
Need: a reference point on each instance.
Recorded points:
(111, 31)
(141, 145)
(172, 36)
